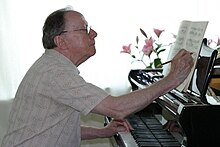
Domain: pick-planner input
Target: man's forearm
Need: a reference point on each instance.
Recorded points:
(91, 133)
(140, 99)
(122, 106)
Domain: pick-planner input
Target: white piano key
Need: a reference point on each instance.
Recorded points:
(128, 139)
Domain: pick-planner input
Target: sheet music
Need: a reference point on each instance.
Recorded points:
(189, 37)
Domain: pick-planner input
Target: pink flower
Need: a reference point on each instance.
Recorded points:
(148, 47)
(209, 41)
(158, 32)
(126, 49)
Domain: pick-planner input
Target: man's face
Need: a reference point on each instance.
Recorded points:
(79, 37)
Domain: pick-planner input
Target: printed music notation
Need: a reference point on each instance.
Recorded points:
(189, 37)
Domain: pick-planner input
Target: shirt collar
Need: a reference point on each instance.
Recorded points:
(60, 57)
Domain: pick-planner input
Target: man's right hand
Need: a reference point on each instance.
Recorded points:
(181, 65)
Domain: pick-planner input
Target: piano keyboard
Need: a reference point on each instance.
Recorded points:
(149, 132)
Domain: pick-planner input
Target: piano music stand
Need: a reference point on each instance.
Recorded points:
(202, 74)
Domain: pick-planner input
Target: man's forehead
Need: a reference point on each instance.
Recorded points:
(75, 18)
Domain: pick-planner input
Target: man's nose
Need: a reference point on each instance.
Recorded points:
(92, 33)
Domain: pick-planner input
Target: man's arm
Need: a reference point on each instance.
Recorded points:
(122, 106)
(111, 129)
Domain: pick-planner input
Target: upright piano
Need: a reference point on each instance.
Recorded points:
(197, 120)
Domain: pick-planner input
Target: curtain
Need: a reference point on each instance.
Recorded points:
(117, 23)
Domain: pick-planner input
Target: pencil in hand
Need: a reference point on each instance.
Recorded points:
(168, 61)
(159, 65)
(165, 62)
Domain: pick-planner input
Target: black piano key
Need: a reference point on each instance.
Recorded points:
(160, 132)
(167, 140)
(141, 131)
(139, 127)
(149, 119)
(148, 131)
(146, 140)
(149, 144)
(155, 127)
(171, 144)
(164, 136)
(144, 136)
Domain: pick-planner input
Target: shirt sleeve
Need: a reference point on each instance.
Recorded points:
(71, 89)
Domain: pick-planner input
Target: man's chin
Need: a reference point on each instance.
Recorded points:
(91, 54)
(93, 51)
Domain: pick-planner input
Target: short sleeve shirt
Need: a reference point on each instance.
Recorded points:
(47, 106)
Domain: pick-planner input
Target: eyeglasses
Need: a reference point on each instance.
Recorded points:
(87, 30)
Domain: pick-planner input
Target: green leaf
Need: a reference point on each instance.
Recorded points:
(158, 46)
(157, 63)
(142, 31)
(150, 66)
(162, 50)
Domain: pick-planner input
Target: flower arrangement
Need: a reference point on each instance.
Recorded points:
(214, 44)
(149, 52)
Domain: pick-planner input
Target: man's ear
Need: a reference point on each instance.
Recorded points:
(59, 41)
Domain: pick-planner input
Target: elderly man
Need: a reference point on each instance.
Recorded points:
(46, 109)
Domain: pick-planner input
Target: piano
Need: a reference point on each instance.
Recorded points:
(198, 121)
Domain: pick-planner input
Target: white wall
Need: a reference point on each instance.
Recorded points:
(5, 107)
(117, 23)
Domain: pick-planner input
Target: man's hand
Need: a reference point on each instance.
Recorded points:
(115, 126)
(172, 126)
(181, 65)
